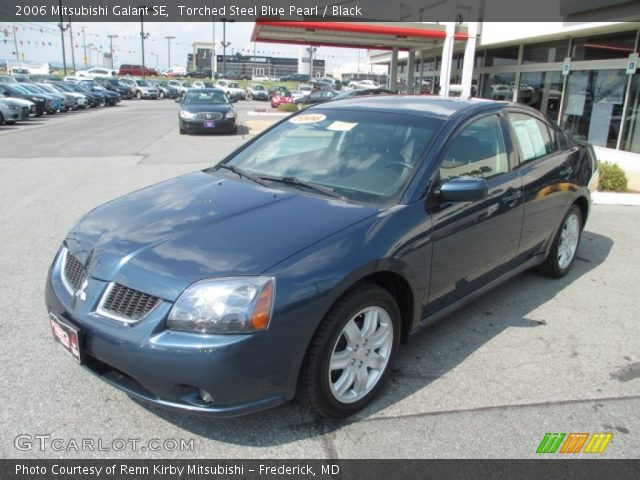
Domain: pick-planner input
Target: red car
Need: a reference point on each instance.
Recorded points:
(280, 97)
(136, 70)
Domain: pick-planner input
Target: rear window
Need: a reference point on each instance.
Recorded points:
(532, 136)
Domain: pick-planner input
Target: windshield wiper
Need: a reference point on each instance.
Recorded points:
(329, 192)
(242, 173)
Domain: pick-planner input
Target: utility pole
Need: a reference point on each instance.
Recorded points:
(73, 55)
(111, 37)
(15, 41)
(62, 29)
(84, 47)
(169, 38)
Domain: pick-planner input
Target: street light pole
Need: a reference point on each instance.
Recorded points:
(62, 29)
(111, 37)
(225, 44)
(169, 38)
(84, 46)
(142, 38)
(73, 55)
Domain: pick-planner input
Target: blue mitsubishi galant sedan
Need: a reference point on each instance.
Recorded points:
(300, 263)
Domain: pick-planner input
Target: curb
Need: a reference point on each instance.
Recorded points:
(612, 198)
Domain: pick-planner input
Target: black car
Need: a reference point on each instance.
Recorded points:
(114, 85)
(43, 103)
(206, 110)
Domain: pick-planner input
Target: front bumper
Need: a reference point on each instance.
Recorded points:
(166, 368)
(197, 125)
(146, 94)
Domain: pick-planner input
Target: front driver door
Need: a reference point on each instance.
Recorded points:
(474, 242)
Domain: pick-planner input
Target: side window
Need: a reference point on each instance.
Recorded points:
(532, 136)
(478, 150)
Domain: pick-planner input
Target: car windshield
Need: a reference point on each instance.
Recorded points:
(207, 97)
(258, 87)
(234, 85)
(142, 83)
(363, 156)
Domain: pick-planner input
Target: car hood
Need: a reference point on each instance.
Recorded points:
(163, 238)
(17, 101)
(207, 107)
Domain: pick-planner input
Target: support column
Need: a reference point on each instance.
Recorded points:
(447, 53)
(411, 65)
(469, 59)
(393, 74)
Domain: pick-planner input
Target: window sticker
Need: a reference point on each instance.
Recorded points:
(339, 126)
(308, 118)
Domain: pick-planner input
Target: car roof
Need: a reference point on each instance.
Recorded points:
(420, 105)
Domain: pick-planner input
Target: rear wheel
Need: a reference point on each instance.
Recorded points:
(564, 248)
(352, 352)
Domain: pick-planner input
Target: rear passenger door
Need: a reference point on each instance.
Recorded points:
(475, 242)
(549, 179)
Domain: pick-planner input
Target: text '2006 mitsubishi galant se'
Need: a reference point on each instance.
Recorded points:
(299, 264)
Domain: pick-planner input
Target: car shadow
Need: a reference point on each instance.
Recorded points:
(427, 356)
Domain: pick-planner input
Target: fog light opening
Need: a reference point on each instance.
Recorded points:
(206, 396)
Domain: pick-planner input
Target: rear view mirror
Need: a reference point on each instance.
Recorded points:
(464, 189)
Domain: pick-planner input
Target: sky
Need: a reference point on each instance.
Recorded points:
(40, 42)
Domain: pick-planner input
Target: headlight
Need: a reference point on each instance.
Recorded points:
(231, 114)
(185, 114)
(12, 107)
(224, 305)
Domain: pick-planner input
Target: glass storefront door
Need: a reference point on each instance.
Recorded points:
(542, 91)
(593, 106)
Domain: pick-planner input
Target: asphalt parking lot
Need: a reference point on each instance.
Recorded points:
(531, 357)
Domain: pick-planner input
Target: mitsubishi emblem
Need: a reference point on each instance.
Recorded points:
(80, 293)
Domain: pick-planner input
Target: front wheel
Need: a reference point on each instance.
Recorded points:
(161, 95)
(564, 248)
(139, 95)
(352, 352)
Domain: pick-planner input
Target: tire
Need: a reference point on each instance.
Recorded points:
(234, 130)
(334, 392)
(139, 95)
(161, 95)
(183, 131)
(565, 246)
(1, 119)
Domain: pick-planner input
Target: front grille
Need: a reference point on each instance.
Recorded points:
(209, 115)
(126, 304)
(73, 271)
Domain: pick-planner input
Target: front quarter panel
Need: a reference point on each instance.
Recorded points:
(308, 283)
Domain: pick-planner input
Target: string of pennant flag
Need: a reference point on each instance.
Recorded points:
(7, 32)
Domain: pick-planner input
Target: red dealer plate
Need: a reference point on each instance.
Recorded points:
(66, 335)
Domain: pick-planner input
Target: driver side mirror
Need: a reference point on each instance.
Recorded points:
(464, 189)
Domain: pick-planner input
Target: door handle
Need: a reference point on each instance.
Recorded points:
(512, 197)
(566, 171)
